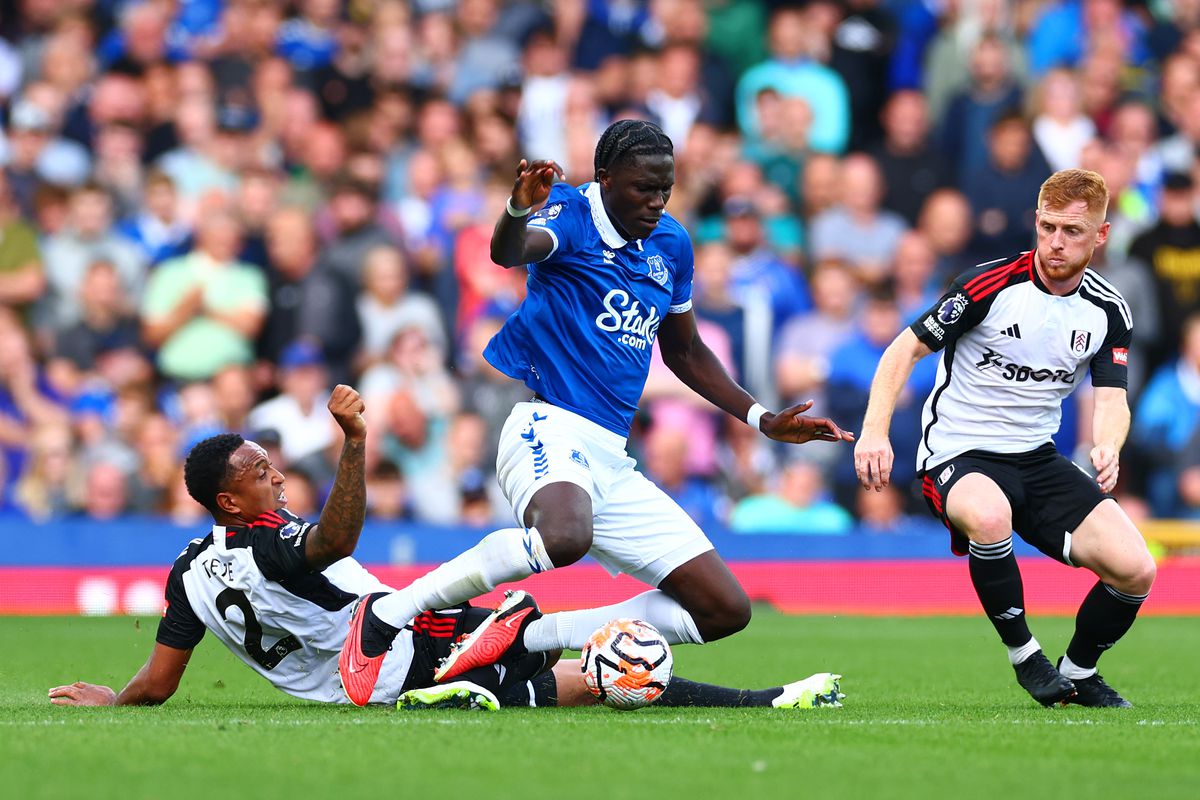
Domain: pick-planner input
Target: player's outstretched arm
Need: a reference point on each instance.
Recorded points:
(153, 685)
(1110, 426)
(512, 245)
(873, 454)
(336, 534)
(686, 354)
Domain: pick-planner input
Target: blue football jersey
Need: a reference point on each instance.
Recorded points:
(583, 336)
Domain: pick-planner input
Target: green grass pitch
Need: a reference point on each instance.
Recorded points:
(932, 711)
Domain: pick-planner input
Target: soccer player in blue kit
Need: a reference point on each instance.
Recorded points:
(609, 270)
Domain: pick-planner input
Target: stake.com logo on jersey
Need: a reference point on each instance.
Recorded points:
(638, 329)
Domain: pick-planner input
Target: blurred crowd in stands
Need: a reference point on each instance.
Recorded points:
(211, 211)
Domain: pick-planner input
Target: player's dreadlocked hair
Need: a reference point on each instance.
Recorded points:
(627, 138)
(207, 468)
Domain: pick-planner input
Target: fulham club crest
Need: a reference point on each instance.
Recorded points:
(1080, 341)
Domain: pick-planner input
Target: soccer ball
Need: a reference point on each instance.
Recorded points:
(626, 664)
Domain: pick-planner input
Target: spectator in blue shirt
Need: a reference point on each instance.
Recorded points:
(793, 72)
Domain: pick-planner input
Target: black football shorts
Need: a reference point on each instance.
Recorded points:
(1049, 495)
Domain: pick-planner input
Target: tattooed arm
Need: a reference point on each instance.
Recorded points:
(336, 534)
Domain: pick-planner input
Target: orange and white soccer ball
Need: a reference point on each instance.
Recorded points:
(626, 664)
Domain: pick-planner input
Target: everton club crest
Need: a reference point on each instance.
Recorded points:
(657, 269)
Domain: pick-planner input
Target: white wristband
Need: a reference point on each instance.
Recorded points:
(754, 415)
(514, 211)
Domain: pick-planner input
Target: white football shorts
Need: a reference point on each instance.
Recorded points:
(636, 528)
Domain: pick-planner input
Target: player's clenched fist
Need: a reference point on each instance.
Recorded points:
(347, 408)
(534, 182)
(873, 461)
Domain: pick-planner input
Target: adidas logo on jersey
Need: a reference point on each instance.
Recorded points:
(1013, 330)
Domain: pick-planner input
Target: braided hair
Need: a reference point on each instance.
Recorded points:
(628, 138)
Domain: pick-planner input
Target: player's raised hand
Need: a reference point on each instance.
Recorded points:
(1106, 461)
(790, 425)
(873, 461)
(347, 408)
(82, 694)
(533, 182)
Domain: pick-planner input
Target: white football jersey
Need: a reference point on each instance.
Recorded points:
(252, 587)
(1011, 352)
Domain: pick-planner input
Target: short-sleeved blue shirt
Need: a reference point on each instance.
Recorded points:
(583, 336)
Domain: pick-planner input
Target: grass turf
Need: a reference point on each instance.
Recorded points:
(932, 710)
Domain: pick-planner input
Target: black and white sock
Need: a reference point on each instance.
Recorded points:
(998, 583)
(1104, 617)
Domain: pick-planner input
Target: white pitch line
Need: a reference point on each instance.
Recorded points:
(434, 718)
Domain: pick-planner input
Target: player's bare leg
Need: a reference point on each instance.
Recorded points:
(1108, 544)
(710, 593)
(562, 511)
(978, 508)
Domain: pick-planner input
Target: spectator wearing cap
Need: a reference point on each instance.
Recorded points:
(756, 268)
(36, 151)
(88, 237)
(1170, 251)
(308, 300)
(203, 311)
(858, 230)
(22, 279)
(298, 412)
